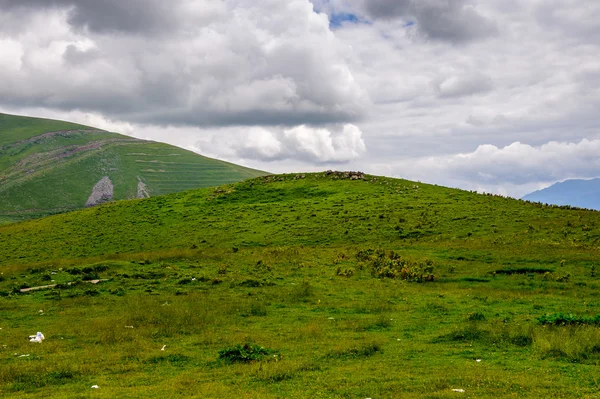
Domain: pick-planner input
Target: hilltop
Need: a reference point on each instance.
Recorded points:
(332, 284)
(49, 166)
(574, 192)
(304, 209)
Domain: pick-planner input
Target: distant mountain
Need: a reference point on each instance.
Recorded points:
(580, 193)
(49, 166)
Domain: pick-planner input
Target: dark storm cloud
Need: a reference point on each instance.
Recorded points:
(109, 16)
(250, 118)
(446, 20)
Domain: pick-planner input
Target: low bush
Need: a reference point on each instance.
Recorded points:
(391, 265)
(562, 319)
(246, 353)
(522, 270)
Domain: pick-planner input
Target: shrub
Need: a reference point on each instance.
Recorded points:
(74, 271)
(523, 270)
(562, 319)
(476, 317)
(246, 353)
(474, 279)
(90, 276)
(344, 272)
(392, 265)
(91, 292)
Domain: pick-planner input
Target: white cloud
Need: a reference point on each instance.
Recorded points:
(518, 167)
(233, 63)
(462, 85)
(332, 145)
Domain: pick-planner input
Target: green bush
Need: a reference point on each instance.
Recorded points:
(523, 270)
(246, 353)
(562, 319)
(392, 265)
(476, 317)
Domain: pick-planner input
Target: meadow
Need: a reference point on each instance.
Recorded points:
(325, 285)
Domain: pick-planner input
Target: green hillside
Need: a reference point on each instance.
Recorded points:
(50, 166)
(329, 285)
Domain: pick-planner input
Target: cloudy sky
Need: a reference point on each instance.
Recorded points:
(495, 95)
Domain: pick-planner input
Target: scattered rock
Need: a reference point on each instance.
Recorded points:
(103, 191)
(348, 175)
(142, 190)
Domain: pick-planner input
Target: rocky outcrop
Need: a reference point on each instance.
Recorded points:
(103, 191)
(349, 175)
(142, 190)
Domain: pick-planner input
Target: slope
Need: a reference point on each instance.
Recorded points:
(329, 285)
(579, 193)
(51, 166)
(308, 209)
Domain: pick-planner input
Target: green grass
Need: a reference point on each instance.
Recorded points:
(16, 128)
(42, 174)
(296, 264)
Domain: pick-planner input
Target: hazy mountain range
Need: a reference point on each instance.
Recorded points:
(580, 193)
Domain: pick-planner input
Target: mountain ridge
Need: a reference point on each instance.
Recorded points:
(581, 193)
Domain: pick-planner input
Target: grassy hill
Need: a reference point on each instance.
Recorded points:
(51, 166)
(330, 285)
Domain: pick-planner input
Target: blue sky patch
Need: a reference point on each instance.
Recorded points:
(336, 20)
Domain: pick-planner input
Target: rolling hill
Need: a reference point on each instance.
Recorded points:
(331, 285)
(575, 192)
(49, 166)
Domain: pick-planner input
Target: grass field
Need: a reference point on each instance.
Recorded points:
(49, 167)
(304, 286)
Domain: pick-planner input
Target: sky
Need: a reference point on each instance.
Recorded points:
(499, 96)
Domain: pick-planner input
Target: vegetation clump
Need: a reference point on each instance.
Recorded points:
(391, 265)
(523, 270)
(246, 353)
(562, 319)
